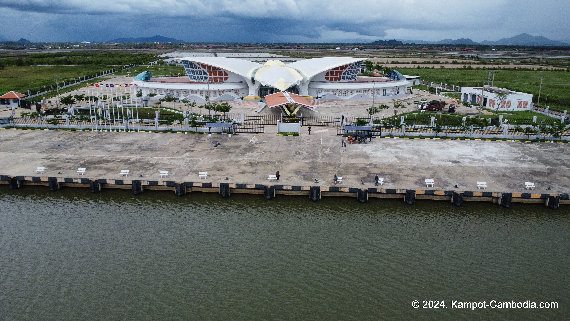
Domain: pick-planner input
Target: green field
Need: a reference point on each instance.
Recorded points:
(24, 78)
(23, 71)
(555, 86)
(155, 70)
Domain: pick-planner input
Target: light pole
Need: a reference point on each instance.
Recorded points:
(539, 90)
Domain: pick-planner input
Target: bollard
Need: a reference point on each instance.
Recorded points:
(137, 187)
(505, 200)
(410, 197)
(15, 183)
(315, 194)
(95, 186)
(362, 195)
(179, 190)
(457, 199)
(553, 202)
(225, 190)
(53, 184)
(269, 192)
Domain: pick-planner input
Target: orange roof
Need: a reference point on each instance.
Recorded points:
(283, 98)
(12, 95)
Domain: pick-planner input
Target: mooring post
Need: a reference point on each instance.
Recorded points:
(553, 201)
(362, 195)
(269, 192)
(225, 190)
(53, 184)
(410, 197)
(137, 187)
(506, 199)
(457, 199)
(15, 183)
(179, 189)
(95, 186)
(315, 193)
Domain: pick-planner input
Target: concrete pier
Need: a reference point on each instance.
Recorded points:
(307, 164)
(270, 192)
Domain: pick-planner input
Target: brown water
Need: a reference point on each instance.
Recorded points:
(72, 255)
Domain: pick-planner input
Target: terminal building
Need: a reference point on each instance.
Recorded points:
(227, 79)
(495, 98)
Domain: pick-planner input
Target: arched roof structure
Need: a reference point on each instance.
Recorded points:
(275, 73)
(242, 67)
(312, 67)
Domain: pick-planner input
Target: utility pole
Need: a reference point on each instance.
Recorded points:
(373, 92)
(539, 90)
(491, 79)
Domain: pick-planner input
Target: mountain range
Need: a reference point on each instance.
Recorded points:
(524, 39)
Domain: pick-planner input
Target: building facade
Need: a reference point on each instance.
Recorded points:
(495, 98)
(11, 99)
(221, 78)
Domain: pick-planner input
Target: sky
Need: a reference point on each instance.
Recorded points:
(282, 20)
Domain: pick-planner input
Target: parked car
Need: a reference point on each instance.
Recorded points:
(435, 105)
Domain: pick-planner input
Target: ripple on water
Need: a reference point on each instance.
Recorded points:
(75, 255)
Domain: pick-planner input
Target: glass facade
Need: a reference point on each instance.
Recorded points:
(343, 73)
(204, 73)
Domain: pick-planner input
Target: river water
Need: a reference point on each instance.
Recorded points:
(72, 255)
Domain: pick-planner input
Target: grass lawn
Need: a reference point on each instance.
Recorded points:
(155, 70)
(24, 78)
(555, 85)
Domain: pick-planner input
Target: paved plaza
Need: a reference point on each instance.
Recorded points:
(248, 158)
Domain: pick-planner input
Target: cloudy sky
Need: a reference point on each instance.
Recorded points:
(282, 20)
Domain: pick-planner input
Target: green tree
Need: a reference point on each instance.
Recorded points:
(67, 100)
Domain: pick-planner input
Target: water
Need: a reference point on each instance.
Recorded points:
(73, 255)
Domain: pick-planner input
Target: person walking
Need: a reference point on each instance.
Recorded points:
(376, 179)
(277, 175)
(309, 130)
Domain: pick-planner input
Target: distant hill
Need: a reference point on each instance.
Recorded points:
(524, 39)
(461, 41)
(393, 42)
(156, 38)
(23, 41)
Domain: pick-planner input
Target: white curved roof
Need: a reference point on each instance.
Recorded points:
(276, 74)
(312, 67)
(241, 67)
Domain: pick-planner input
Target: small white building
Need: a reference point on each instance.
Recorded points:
(11, 99)
(495, 98)
(412, 80)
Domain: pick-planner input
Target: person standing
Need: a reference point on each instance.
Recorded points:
(376, 179)
(309, 130)
(277, 175)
